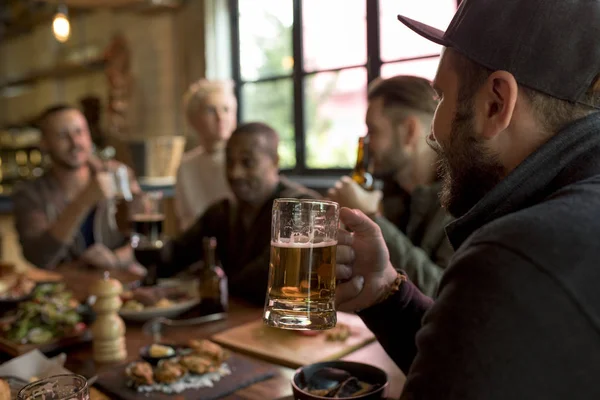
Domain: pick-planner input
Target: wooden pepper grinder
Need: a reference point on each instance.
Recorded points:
(109, 329)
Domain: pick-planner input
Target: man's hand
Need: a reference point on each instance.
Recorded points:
(363, 263)
(136, 269)
(100, 256)
(127, 261)
(349, 194)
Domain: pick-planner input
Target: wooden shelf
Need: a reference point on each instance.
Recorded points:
(67, 69)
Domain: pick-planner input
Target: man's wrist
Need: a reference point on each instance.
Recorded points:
(119, 263)
(392, 281)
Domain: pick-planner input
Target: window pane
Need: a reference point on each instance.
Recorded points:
(425, 68)
(265, 38)
(398, 41)
(335, 112)
(334, 33)
(272, 103)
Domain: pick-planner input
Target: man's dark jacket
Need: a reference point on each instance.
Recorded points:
(518, 309)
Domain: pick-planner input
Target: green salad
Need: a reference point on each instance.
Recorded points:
(50, 314)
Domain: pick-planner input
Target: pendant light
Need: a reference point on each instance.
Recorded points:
(61, 26)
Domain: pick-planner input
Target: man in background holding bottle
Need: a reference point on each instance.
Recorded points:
(65, 215)
(242, 226)
(398, 119)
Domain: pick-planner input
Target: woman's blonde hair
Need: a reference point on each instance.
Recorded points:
(198, 91)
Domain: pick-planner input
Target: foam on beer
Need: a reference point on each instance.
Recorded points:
(148, 217)
(302, 245)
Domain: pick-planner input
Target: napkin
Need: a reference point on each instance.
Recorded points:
(34, 363)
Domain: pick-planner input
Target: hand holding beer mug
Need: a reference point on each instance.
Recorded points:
(301, 292)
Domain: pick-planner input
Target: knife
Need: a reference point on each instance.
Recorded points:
(154, 326)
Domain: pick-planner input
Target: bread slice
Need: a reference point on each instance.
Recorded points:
(4, 390)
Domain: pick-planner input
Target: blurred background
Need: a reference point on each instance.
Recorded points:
(302, 66)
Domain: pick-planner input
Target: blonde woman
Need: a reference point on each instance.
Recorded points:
(210, 109)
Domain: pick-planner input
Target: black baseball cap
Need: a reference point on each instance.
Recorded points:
(549, 45)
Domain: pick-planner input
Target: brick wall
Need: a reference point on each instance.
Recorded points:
(167, 53)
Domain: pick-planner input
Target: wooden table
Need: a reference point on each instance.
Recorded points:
(79, 359)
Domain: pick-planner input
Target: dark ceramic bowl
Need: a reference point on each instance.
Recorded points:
(363, 372)
(145, 353)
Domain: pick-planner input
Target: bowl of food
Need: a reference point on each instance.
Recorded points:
(166, 300)
(50, 314)
(340, 380)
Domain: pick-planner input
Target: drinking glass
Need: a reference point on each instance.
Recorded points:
(58, 387)
(146, 218)
(301, 289)
(120, 181)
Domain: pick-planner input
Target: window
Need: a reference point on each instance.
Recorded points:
(303, 66)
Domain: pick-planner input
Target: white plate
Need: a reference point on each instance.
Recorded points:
(155, 312)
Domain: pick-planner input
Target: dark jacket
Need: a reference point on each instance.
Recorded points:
(518, 309)
(243, 254)
(413, 229)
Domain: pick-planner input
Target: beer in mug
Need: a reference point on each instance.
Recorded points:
(301, 289)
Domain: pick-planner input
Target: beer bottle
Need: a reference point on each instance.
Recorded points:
(362, 173)
(213, 281)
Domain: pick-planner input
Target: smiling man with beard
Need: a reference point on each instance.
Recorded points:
(65, 215)
(242, 227)
(518, 133)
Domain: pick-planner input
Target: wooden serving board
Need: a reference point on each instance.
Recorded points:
(291, 348)
(244, 372)
(41, 275)
(16, 349)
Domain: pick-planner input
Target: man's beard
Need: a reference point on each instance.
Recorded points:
(65, 163)
(467, 168)
(394, 162)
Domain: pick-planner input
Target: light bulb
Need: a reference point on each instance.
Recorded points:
(61, 27)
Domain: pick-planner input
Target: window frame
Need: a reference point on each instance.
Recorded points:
(298, 75)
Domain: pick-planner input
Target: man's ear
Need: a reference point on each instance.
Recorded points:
(497, 101)
(412, 132)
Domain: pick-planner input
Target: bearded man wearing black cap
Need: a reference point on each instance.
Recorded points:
(517, 129)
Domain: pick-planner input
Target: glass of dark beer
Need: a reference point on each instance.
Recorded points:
(301, 289)
(146, 220)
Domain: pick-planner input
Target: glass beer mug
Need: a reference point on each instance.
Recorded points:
(301, 291)
(58, 387)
